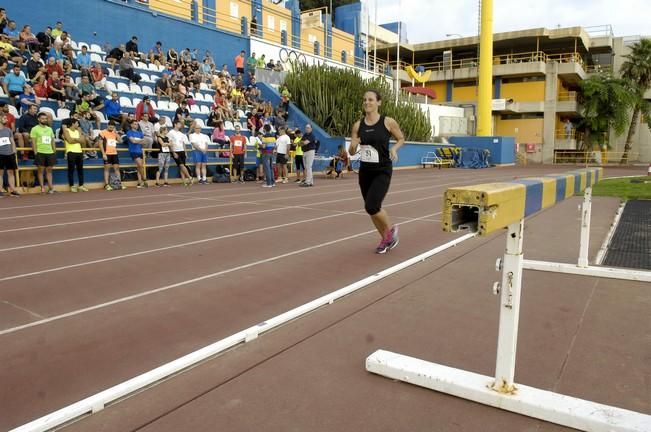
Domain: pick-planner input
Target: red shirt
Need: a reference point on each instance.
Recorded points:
(11, 120)
(238, 144)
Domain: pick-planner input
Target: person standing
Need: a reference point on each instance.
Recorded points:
(568, 128)
(308, 144)
(199, 143)
(135, 139)
(163, 156)
(45, 158)
(267, 153)
(8, 164)
(282, 147)
(108, 144)
(238, 150)
(178, 141)
(371, 136)
(74, 140)
(299, 167)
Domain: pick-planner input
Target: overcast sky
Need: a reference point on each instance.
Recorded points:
(430, 20)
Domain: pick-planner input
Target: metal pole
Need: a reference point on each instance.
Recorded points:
(586, 210)
(510, 290)
(375, 40)
(368, 28)
(398, 52)
(485, 97)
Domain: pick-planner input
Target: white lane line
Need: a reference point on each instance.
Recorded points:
(61, 203)
(241, 233)
(154, 227)
(32, 313)
(101, 400)
(200, 278)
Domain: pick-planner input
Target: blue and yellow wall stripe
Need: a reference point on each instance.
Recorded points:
(493, 206)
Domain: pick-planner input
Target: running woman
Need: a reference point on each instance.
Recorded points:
(371, 136)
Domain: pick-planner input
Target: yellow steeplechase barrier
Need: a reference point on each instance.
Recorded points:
(489, 207)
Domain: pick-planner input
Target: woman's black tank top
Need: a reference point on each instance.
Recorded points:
(376, 136)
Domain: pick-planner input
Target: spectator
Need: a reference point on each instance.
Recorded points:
(214, 117)
(127, 70)
(42, 137)
(74, 140)
(58, 29)
(238, 150)
(568, 128)
(183, 114)
(299, 166)
(163, 144)
(57, 92)
(11, 124)
(28, 98)
(285, 97)
(224, 70)
(115, 55)
(64, 42)
(339, 162)
(262, 62)
(35, 67)
(308, 145)
(164, 86)
(97, 75)
(45, 39)
(254, 26)
(267, 152)
(186, 56)
(251, 64)
(13, 84)
(271, 64)
(4, 20)
(156, 54)
(132, 48)
(239, 63)
(41, 89)
(178, 141)
(53, 66)
(219, 135)
(282, 148)
(145, 106)
(25, 124)
(72, 91)
(113, 109)
(278, 67)
(147, 129)
(200, 142)
(135, 141)
(83, 58)
(12, 31)
(7, 156)
(256, 143)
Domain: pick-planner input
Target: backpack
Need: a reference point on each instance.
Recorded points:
(114, 181)
(249, 175)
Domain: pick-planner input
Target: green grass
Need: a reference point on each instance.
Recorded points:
(625, 188)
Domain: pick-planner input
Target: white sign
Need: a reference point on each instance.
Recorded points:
(235, 10)
(499, 104)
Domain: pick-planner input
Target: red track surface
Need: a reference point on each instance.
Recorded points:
(99, 287)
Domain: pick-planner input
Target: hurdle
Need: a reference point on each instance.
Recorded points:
(484, 209)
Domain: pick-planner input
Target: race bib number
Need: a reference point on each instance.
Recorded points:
(111, 143)
(46, 139)
(237, 144)
(4, 141)
(369, 154)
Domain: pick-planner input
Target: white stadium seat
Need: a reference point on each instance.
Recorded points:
(110, 87)
(163, 105)
(62, 113)
(123, 88)
(125, 102)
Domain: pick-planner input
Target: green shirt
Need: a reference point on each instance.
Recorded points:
(43, 136)
(252, 62)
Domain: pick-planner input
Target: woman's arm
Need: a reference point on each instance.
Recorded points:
(354, 139)
(397, 134)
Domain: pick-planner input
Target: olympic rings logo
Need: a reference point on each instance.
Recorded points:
(291, 55)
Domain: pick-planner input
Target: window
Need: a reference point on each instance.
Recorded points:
(235, 10)
(524, 116)
(523, 79)
(271, 22)
(283, 25)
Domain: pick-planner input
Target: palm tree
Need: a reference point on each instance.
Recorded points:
(637, 71)
(606, 102)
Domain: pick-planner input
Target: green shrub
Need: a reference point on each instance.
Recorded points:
(332, 98)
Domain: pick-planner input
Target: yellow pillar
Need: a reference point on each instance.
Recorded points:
(485, 96)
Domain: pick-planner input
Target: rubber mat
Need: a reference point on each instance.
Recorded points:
(631, 244)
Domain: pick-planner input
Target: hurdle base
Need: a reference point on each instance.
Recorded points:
(544, 405)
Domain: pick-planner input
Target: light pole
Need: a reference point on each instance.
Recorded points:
(398, 50)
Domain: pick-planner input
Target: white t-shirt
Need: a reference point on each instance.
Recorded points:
(199, 141)
(178, 140)
(282, 144)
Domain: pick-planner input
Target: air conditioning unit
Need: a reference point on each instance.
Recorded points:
(311, 19)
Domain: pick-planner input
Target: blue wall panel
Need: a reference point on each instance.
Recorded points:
(533, 195)
(502, 149)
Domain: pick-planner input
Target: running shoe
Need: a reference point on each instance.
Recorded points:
(123, 187)
(83, 188)
(382, 247)
(140, 186)
(108, 187)
(298, 180)
(72, 189)
(166, 184)
(393, 235)
(51, 192)
(14, 193)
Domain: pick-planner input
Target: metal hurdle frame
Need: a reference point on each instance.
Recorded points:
(501, 391)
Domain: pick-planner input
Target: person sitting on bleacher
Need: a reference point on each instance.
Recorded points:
(127, 70)
(113, 109)
(28, 38)
(4, 20)
(90, 103)
(214, 117)
(147, 129)
(183, 114)
(145, 106)
(218, 135)
(72, 91)
(132, 48)
(86, 119)
(156, 54)
(12, 31)
(57, 30)
(115, 55)
(45, 39)
(83, 59)
(13, 84)
(27, 98)
(164, 86)
(35, 67)
(56, 89)
(40, 87)
(98, 77)
(64, 43)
